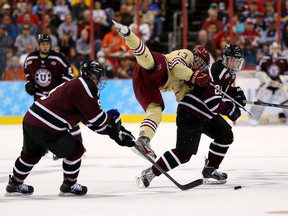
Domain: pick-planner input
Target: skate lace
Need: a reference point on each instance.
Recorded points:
(76, 187)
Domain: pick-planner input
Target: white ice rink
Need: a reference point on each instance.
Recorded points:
(257, 160)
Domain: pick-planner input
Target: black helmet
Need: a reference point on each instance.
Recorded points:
(88, 68)
(43, 38)
(235, 53)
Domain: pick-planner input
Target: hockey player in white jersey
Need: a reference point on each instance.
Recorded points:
(273, 74)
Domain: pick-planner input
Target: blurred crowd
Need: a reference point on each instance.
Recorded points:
(255, 27)
(68, 24)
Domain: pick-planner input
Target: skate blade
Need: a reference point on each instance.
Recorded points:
(210, 181)
(16, 194)
(62, 194)
(140, 154)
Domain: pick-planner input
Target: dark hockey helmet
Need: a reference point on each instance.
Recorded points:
(201, 59)
(43, 38)
(232, 56)
(92, 70)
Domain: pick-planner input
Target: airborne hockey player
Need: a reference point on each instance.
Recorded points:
(46, 125)
(199, 112)
(154, 73)
(44, 70)
(273, 75)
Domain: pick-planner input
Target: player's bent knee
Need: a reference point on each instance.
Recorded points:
(78, 152)
(225, 138)
(183, 156)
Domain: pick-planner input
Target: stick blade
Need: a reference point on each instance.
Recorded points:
(192, 184)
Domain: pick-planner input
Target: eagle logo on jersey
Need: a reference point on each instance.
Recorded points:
(43, 77)
(273, 70)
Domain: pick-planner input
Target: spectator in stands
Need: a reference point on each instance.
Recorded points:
(83, 44)
(99, 15)
(5, 43)
(130, 6)
(68, 27)
(8, 58)
(74, 58)
(240, 8)
(250, 35)
(269, 12)
(11, 29)
(204, 42)
(15, 72)
(30, 48)
(37, 8)
(211, 30)
(112, 46)
(54, 20)
(61, 9)
(144, 30)
(65, 42)
(125, 70)
(223, 35)
(5, 11)
(238, 27)
(270, 35)
(24, 40)
(285, 35)
(222, 13)
(212, 18)
(284, 13)
(127, 17)
(54, 39)
(252, 12)
(147, 16)
(260, 25)
(250, 54)
(34, 19)
(26, 20)
(158, 23)
(78, 9)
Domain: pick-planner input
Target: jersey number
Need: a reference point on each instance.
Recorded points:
(217, 87)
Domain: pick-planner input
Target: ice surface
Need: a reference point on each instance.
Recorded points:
(257, 160)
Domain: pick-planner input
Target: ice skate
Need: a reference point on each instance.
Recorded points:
(144, 144)
(15, 189)
(213, 176)
(72, 190)
(143, 181)
(123, 30)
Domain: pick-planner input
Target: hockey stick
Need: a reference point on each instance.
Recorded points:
(188, 186)
(229, 97)
(259, 103)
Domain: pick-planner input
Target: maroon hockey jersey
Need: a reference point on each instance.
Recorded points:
(68, 104)
(274, 67)
(207, 102)
(46, 73)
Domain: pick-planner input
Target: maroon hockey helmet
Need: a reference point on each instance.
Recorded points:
(201, 59)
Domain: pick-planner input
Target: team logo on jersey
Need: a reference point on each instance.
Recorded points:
(43, 77)
(273, 70)
(53, 63)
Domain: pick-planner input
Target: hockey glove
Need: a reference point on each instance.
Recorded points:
(30, 88)
(238, 94)
(117, 132)
(233, 112)
(199, 78)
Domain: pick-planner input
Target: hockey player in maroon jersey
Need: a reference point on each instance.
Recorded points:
(46, 125)
(199, 113)
(154, 73)
(44, 70)
(273, 75)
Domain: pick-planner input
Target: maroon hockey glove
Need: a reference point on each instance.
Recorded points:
(199, 78)
(233, 112)
(238, 94)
